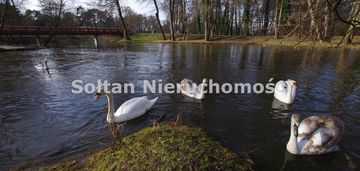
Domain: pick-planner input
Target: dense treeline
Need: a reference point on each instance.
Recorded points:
(76, 17)
(318, 20)
(312, 19)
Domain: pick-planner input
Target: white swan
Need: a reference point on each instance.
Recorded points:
(43, 66)
(129, 110)
(189, 88)
(314, 135)
(285, 91)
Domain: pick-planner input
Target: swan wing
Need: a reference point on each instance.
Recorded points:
(308, 126)
(132, 104)
(186, 81)
(39, 66)
(131, 109)
(311, 124)
(188, 88)
(321, 137)
(318, 143)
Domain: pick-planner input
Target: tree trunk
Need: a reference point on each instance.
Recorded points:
(314, 23)
(3, 17)
(299, 20)
(329, 16)
(184, 22)
(354, 15)
(211, 20)
(171, 12)
(231, 18)
(266, 16)
(278, 17)
(126, 37)
(197, 17)
(247, 17)
(240, 25)
(276, 36)
(224, 16)
(158, 20)
(236, 15)
(207, 16)
(216, 25)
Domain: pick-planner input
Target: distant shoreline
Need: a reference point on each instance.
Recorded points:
(113, 41)
(260, 40)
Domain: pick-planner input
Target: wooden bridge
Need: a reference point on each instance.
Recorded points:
(36, 30)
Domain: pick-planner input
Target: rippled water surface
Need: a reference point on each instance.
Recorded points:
(40, 119)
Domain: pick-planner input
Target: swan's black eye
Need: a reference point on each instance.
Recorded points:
(98, 94)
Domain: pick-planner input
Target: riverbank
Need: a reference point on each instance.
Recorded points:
(161, 147)
(261, 40)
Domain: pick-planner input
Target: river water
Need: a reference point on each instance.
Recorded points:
(42, 120)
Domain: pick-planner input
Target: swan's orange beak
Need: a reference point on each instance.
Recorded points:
(97, 96)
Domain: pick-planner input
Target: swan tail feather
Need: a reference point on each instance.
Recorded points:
(151, 103)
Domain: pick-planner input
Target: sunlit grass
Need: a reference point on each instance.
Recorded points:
(146, 37)
(261, 40)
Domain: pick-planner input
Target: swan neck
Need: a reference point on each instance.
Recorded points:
(110, 115)
(290, 94)
(202, 90)
(289, 91)
(292, 145)
(46, 65)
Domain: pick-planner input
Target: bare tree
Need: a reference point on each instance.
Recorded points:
(158, 19)
(53, 7)
(328, 20)
(277, 18)
(207, 19)
(183, 18)
(172, 18)
(197, 16)
(353, 18)
(266, 4)
(118, 7)
(247, 17)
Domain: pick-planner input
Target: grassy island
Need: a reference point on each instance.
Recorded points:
(162, 147)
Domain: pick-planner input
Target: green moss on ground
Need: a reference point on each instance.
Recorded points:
(164, 147)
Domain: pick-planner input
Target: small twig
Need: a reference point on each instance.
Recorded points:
(342, 39)
(302, 40)
(253, 150)
(312, 48)
(177, 119)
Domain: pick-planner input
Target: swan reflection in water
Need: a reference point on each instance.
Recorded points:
(290, 161)
(280, 110)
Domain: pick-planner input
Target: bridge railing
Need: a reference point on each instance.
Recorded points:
(38, 30)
